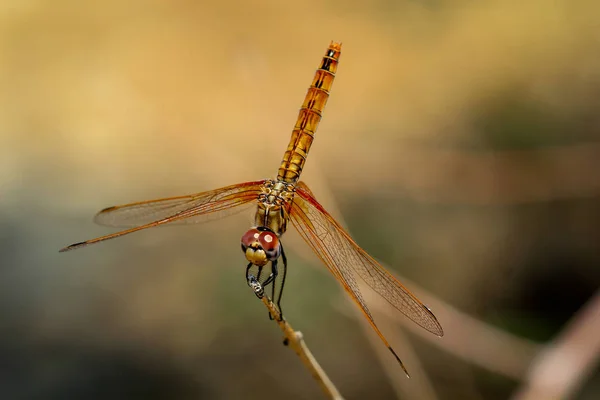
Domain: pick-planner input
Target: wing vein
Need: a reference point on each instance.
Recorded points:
(344, 257)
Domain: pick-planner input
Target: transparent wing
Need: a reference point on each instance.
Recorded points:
(193, 208)
(213, 204)
(344, 257)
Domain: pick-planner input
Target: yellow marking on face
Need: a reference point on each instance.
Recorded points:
(256, 256)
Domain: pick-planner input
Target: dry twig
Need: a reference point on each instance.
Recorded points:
(561, 368)
(295, 340)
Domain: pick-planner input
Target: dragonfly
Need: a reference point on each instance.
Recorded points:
(278, 202)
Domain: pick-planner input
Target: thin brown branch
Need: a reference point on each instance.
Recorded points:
(562, 367)
(295, 340)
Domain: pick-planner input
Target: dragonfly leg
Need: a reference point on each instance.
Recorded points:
(249, 277)
(277, 271)
(271, 280)
(283, 274)
(273, 275)
(258, 274)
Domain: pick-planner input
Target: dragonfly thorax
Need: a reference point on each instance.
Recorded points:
(274, 203)
(261, 245)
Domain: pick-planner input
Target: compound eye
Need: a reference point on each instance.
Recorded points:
(270, 244)
(250, 237)
(268, 241)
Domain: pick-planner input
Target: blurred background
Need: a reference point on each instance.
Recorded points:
(460, 147)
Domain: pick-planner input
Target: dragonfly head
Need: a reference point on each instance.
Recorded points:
(261, 245)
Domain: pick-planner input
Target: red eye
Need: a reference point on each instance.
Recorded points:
(250, 237)
(261, 245)
(269, 241)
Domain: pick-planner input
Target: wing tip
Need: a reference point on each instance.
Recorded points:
(72, 247)
(399, 361)
(107, 209)
(437, 328)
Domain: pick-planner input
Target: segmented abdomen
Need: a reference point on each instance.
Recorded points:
(309, 116)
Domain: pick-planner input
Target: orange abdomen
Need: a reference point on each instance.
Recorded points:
(309, 116)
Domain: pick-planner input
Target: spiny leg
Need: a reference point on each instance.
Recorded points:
(273, 275)
(278, 274)
(249, 277)
(273, 285)
(271, 279)
(258, 274)
(283, 274)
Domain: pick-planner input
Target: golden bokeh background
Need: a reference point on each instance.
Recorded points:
(460, 146)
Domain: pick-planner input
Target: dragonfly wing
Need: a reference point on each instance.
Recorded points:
(197, 207)
(341, 254)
